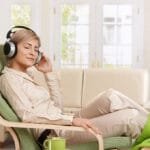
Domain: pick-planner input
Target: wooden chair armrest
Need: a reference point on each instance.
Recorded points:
(14, 136)
(50, 126)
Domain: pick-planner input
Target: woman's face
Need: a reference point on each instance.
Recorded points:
(27, 53)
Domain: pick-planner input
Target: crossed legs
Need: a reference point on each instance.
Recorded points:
(114, 114)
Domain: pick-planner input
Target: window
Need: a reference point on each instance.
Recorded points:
(100, 33)
(75, 35)
(117, 35)
(21, 14)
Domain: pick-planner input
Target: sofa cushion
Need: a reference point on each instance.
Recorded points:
(26, 139)
(131, 82)
(71, 86)
(109, 143)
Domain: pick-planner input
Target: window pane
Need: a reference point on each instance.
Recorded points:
(109, 34)
(108, 53)
(68, 34)
(72, 14)
(124, 34)
(75, 35)
(68, 14)
(75, 56)
(125, 14)
(82, 49)
(117, 56)
(125, 55)
(82, 34)
(82, 14)
(109, 13)
(117, 35)
(21, 14)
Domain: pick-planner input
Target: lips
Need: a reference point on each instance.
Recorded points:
(31, 59)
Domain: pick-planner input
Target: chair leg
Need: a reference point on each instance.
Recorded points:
(14, 136)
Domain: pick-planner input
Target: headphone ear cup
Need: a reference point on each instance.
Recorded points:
(39, 57)
(10, 49)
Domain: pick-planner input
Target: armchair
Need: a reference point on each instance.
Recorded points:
(20, 132)
(18, 129)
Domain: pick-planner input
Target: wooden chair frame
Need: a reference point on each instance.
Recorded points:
(9, 125)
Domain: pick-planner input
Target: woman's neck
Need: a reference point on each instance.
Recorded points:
(17, 67)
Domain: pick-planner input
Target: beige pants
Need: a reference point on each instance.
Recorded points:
(114, 114)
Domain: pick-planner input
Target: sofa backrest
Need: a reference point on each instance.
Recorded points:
(71, 81)
(80, 86)
(131, 82)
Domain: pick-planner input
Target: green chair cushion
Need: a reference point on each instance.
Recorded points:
(26, 139)
(117, 142)
(85, 146)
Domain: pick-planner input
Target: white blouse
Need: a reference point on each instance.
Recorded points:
(31, 101)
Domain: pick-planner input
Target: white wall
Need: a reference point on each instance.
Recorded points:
(147, 34)
(4, 20)
(147, 37)
(45, 26)
(48, 23)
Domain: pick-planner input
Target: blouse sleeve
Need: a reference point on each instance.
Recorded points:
(54, 88)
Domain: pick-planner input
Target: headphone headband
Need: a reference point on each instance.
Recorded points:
(21, 27)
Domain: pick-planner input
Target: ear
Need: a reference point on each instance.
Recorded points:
(39, 57)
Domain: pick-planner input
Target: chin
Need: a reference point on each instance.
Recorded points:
(30, 65)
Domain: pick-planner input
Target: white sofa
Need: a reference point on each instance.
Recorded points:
(79, 86)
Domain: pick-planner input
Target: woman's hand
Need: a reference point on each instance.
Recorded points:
(44, 65)
(85, 123)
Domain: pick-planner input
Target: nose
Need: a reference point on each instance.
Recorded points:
(33, 51)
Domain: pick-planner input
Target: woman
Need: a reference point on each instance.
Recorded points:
(33, 103)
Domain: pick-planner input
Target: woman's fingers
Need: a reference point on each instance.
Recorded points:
(85, 123)
(88, 125)
(94, 128)
(85, 126)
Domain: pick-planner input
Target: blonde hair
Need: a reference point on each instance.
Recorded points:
(24, 34)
